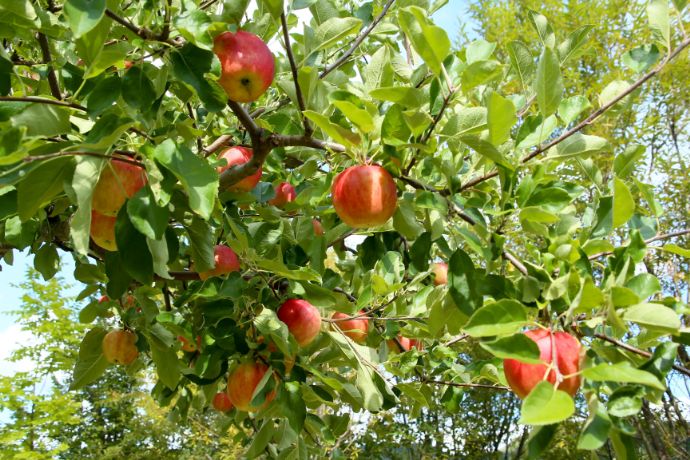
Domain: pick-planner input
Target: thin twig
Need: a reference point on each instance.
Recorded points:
(663, 236)
(468, 385)
(516, 263)
(637, 351)
(52, 79)
(219, 143)
(42, 100)
(360, 38)
(50, 156)
(455, 340)
(295, 75)
(190, 112)
(141, 32)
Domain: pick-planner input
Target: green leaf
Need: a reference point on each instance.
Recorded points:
(543, 28)
(405, 221)
(47, 261)
(479, 50)
(624, 163)
(644, 285)
(201, 242)
(487, 150)
(43, 120)
(653, 316)
(675, 249)
(5, 75)
(109, 56)
(573, 46)
(106, 132)
(11, 149)
(403, 95)
(579, 145)
(471, 120)
(195, 27)
(137, 89)
(334, 30)
(680, 5)
(480, 73)
(537, 214)
(271, 327)
(150, 219)
(134, 252)
(83, 15)
(429, 41)
(84, 180)
(570, 108)
(545, 405)
(504, 317)
(165, 358)
(90, 363)
(359, 117)
(41, 185)
(501, 118)
(189, 65)
(623, 203)
(517, 346)
(260, 439)
(335, 132)
(596, 431)
(641, 58)
(522, 61)
(104, 95)
(659, 21)
(394, 129)
(197, 177)
(622, 372)
(463, 282)
(549, 83)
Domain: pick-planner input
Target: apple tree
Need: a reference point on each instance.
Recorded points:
(296, 211)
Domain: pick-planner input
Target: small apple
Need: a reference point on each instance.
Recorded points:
(318, 228)
(119, 347)
(355, 328)
(221, 402)
(103, 231)
(103, 299)
(247, 65)
(187, 344)
(364, 196)
(440, 271)
(523, 377)
(238, 155)
(285, 193)
(118, 181)
(404, 343)
(302, 318)
(242, 383)
(226, 261)
(128, 64)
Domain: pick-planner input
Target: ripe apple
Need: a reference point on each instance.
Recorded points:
(247, 65)
(226, 261)
(318, 228)
(285, 193)
(238, 155)
(364, 196)
(302, 318)
(242, 383)
(221, 402)
(103, 299)
(187, 344)
(118, 181)
(523, 377)
(405, 343)
(355, 328)
(440, 271)
(103, 231)
(119, 347)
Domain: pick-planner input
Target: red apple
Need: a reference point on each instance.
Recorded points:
(187, 344)
(221, 402)
(302, 318)
(440, 271)
(405, 343)
(103, 299)
(128, 64)
(285, 193)
(242, 383)
(238, 155)
(355, 328)
(226, 261)
(522, 377)
(103, 231)
(364, 196)
(247, 65)
(119, 347)
(318, 228)
(118, 181)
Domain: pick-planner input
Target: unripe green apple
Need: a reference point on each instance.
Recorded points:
(247, 65)
(364, 196)
(523, 377)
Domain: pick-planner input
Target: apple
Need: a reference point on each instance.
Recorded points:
(302, 318)
(187, 344)
(226, 261)
(119, 347)
(128, 64)
(103, 299)
(238, 155)
(247, 65)
(118, 181)
(242, 383)
(355, 328)
(221, 402)
(405, 343)
(103, 231)
(364, 196)
(285, 193)
(523, 377)
(318, 228)
(440, 271)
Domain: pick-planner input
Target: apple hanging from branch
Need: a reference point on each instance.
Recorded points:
(119, 180)
(238, 155)
(225, 261)
(354, 328)
(440, 271)
(364, 196)
(103, 231)
(285, 193)
(302, 319)
(119, 347)
(242, 383)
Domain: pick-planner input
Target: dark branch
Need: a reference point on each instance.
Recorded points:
(42, 100)
(219, 143)
(358, 41)
(468, 385)
(295, 75)
(141, 32)
(52, 78)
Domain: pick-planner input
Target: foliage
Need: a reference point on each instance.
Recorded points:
(501, 165)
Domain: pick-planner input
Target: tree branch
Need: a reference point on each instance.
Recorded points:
(219, 143)
(42, 100)
(516, 263)
(468, 385)
(358, 41)
(141, 32)
(52, 78)
(637, 351)
(663, 236)
(50, 156)
(295, 75)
